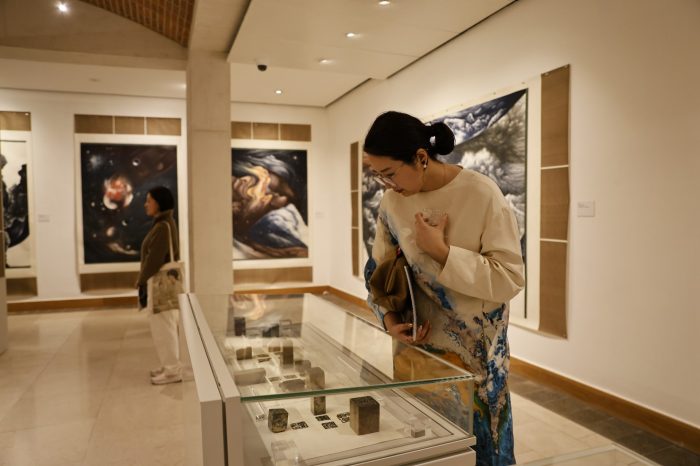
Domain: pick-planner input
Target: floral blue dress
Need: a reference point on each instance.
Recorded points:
(466, 301)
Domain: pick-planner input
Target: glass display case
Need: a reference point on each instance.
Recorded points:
(304, 382)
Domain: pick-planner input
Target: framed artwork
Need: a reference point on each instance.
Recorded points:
(371, 194)
(491, 138)
(114, 174)
(270, 204)
(17, 198)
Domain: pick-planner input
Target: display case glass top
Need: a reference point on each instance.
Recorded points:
(305, 345)
(305, 382)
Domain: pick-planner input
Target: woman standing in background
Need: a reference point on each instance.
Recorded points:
(155, 252)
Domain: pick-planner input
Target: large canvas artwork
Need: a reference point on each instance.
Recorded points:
(490, 138)
(14, 157)
(372, 193)
(115, 179)
(269, 203)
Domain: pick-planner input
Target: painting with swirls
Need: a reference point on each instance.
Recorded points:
(269, 205)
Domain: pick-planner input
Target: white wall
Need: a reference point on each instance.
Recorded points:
(53, 158)
(634, 319)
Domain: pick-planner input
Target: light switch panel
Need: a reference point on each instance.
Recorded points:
(43, 218)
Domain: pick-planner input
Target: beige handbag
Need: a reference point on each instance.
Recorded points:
(169, 282)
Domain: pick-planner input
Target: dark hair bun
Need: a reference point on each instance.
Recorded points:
(444, 138)
(400, 135)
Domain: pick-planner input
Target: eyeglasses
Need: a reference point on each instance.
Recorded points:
(388, 181)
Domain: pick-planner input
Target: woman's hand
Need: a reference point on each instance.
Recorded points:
(404, 332)
(431, 239)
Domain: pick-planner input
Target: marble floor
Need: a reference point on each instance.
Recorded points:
(74, 390)
(571, 410)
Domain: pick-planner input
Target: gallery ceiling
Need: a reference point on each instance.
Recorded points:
(170, 18)
(96, 46)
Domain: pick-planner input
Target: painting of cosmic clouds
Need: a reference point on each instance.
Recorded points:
(269, 204)
(115, 179)
(490, 138)
(15, 203)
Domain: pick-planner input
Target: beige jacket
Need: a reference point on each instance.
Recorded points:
(155, 249)
(484, 268)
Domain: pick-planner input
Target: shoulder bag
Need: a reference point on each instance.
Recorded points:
(169, 282)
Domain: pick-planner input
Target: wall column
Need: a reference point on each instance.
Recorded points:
(209, 172)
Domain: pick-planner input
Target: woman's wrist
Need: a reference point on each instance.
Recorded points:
(390, 319)
(440, 254)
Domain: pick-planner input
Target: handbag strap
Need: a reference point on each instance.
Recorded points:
(170, 241)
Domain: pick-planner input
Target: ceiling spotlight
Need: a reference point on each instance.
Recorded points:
(350, 35)
(278, 91)
(62, 7)
(384, 2)
(325, 61)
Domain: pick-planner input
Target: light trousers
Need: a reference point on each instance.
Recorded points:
(165, 337)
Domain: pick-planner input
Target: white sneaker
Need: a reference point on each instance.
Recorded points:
(164, 378)
(158, 371)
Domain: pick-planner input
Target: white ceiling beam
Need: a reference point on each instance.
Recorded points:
(215, 24)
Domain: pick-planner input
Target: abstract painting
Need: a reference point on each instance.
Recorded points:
(115, 179)
(490, 138)
(372, 193)
(269, 203)
(15, 199)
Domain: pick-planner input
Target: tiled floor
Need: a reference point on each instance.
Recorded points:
(607, 455)
(74, 390)
(589, 418)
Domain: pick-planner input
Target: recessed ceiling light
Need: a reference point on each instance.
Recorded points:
(384, 2)
(325, 61)
(62, 7)
(350, 35)
(278, 91)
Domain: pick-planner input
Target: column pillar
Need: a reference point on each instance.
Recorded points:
(209, 172)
